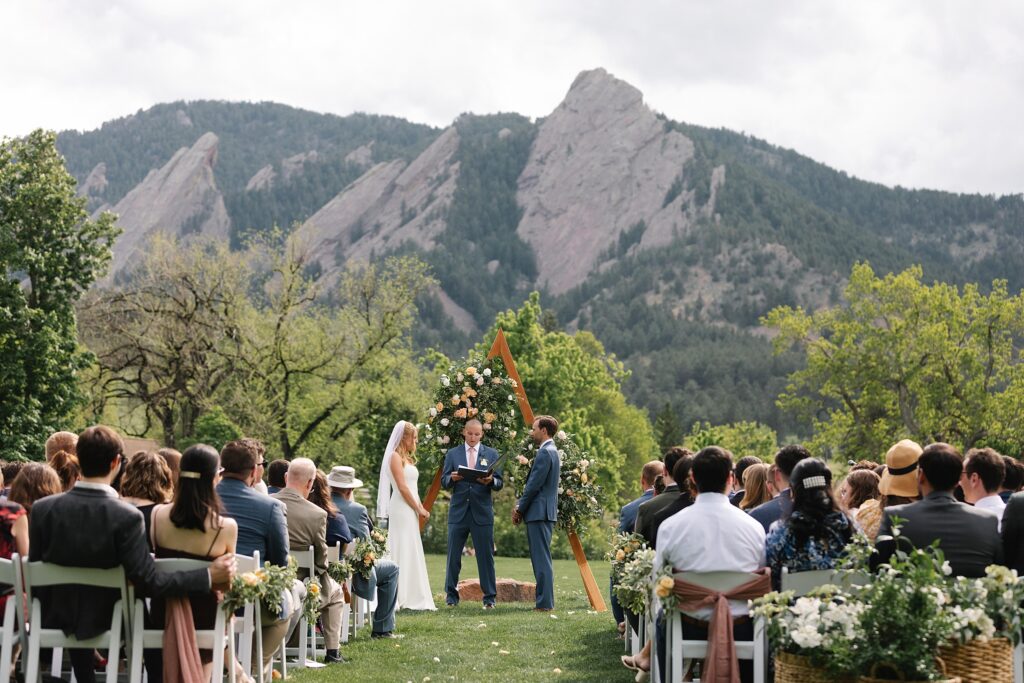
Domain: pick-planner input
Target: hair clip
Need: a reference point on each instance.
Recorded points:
(814, 482)
(189, 474)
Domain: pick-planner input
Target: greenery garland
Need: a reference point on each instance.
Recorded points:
(267, 585)
(577, 492)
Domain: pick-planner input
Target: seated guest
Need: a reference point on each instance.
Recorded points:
(173, 460)
(967, 536)
(1013, 479)
(859, 487)
(261, 528)
(117, 538)
(755, 487)
(337, 526)
(307, 526)
(647, 510)
(13, 534)
(670, 504)
(897, 485)
(10, 471)
(34, 482)
(815, 532)
(192, 527)
(61, 441)
(778, 507)
(66, 466)
(982, 476)
(260, 450)
(383, 582)
(627, 522)
(709, 536)
(146, 483)
(275, 475)
(741, 466)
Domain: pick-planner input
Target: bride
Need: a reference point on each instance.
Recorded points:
(398, 500)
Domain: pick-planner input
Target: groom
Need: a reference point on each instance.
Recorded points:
(470, 512)
(538, 507)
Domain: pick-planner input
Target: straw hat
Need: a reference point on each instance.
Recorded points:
(900, 476)
(343, 477)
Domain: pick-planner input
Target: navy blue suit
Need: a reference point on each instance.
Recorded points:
(470, 512)
(261, 521)
(539, 507)
(775, 509)
(627, 521)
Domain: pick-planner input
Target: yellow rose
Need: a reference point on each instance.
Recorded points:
(490, 417)
(461, 413)
(473, 412)
(439, 406)
(455, 400)
(620, 556)
(250, 579)
(470, 371)
(662, 591)
(314, 588)
(368, 558)
(496, 380)
(583, 477)
(261, 574)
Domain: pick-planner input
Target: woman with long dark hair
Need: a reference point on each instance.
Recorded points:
(816, 532)
(337, 527)
(193, 527)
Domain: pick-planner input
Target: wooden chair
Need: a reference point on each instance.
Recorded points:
(44, 574)
(13, 629)
(678, 650)
(215, 639)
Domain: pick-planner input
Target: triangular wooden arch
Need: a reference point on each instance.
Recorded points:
(500, 348)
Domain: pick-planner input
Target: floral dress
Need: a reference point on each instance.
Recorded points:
(9, 514)
(816, 552)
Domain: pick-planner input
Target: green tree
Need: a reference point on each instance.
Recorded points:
(167, 338)
(907, 360)
(741, 438)
(667, 429)
(50, 253)
(318, 359)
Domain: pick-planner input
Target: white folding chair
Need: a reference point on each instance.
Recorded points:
(215, 639)
(13, 629)
(1018, 663)
(334, 555)
(43, 574)
(306, 651)
(247, 629)
(679, 650)
(802, 583)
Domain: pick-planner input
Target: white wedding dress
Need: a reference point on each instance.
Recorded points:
(406, 547)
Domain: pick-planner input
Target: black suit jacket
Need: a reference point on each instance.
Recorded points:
(658, 509)
(1013, 533)
(968, 537)
(88, 527)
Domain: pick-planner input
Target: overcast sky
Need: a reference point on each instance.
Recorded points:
(916, 93)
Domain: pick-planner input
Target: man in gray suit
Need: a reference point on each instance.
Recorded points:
(383, 581)
(968, 537)
(538, 507)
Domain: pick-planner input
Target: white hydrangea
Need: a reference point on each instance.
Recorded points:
(444, 422)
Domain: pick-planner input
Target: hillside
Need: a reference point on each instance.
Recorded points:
(667, 240)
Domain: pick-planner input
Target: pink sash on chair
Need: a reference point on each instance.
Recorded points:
(181, 653)
(720, 665)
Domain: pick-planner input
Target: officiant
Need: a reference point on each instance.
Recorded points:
(471, 511)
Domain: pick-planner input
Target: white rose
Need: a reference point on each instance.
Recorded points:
(946, 569)
(487, 372)
(511, 397)
(445, 439)
(584, 463)
(444, 422)
(560, 490)
(445, 381)
(561, 435)
(479, 380)
(459, 377)
(440, 440)
(487, 425)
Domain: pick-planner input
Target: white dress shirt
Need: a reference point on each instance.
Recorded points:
(712, 535)
(993, 503)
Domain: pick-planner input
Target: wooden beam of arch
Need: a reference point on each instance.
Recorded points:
(500, 348)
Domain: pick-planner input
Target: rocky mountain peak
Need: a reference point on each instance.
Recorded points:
(598, 90)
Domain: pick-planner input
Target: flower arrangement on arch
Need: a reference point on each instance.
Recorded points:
(577, 491)
(475, 388)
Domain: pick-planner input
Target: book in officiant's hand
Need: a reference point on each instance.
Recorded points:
(472, 474)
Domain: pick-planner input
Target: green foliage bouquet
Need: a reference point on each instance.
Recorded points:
(624, 546)
(363, 557)
(823, 625)
(267, 585)
(379, 540)
(340, 571)
(577, 492)
(311, 603)
(988, 607)
(633, 586)
(470, 389)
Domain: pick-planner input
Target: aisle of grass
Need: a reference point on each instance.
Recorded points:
(509, 643)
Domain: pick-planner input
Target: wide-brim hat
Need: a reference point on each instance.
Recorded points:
(900, 475)
(343, 477)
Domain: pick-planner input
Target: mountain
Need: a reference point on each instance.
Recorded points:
(665, 239)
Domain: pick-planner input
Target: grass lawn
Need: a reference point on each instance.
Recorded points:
(510, 643)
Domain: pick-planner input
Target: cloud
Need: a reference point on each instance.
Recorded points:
(921, 94)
